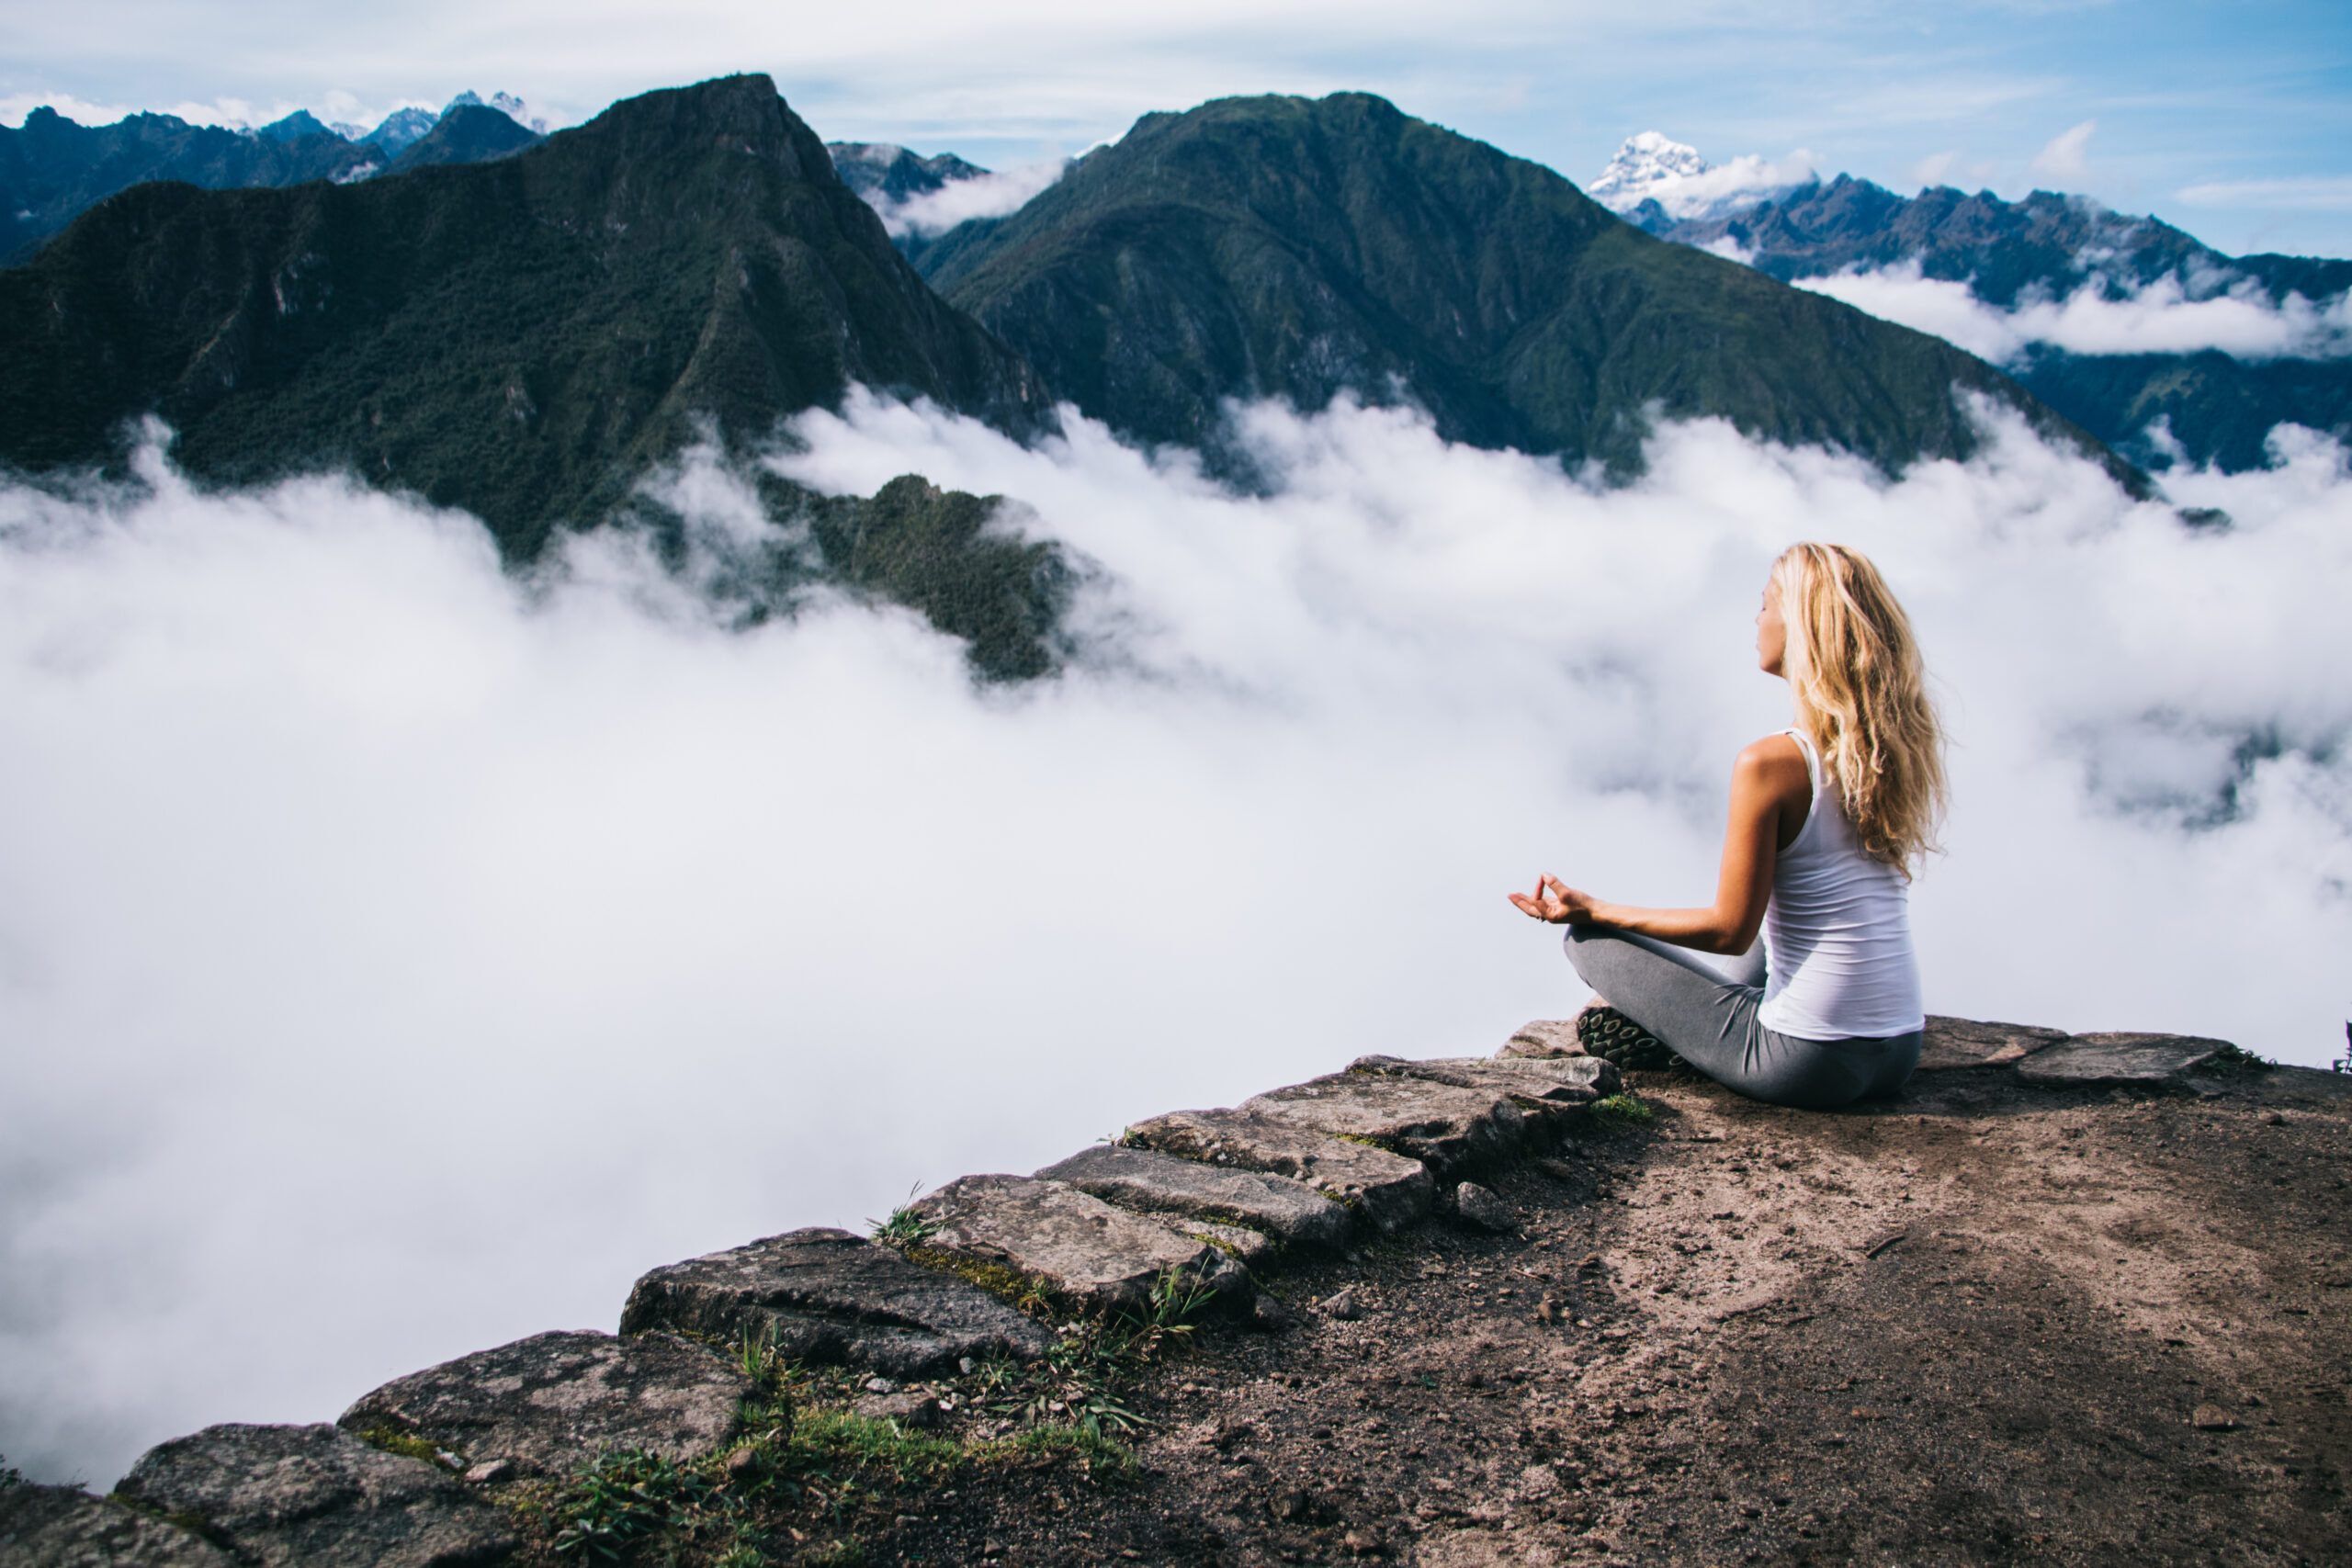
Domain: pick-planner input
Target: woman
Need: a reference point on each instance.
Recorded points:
(1827, 819)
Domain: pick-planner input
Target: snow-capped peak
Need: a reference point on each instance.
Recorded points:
(1644, 163)
(1653, 167)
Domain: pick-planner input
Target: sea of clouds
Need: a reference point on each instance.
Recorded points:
(397, 956)
(2162, 316)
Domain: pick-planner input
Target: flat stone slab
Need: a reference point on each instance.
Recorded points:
(553, 1402)
(2121, 1058)
(1544, 1038)
(1086, 1253)
(1552, 1092)
(826, 1296)
(1449, 1128)
(1383, 1189)
(64, 1527)
(1150, 1182)
(1951, 1043)
(317, 1496)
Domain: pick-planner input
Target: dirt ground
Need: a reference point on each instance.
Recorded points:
(1974, 1325)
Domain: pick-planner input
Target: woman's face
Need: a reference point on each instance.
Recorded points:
(1771, 632)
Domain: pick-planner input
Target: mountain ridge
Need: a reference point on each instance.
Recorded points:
(1297, 248)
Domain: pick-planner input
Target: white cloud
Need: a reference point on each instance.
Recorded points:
(2160, 318)
(2063, 159)
(991, 194)
(396, 959)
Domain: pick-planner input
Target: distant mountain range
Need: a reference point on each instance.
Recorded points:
(53, 169)
(2202, 406)
(527, 327)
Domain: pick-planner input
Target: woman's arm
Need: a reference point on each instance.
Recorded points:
(1770, 796)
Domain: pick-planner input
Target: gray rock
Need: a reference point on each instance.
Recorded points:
(918, 1411)
(548, 1404)
(1342, 1305)
(1255, 1251)
(64, 1527)
(1384, 1191)
(1449, 1129)
(826, 1296)
(2121, 1058)
(1153, 1183)
(1085, 1253)
(1951, 1043)
(317, 1496)
(1479, 1207)
(1551, 1037)
(1550, 1092)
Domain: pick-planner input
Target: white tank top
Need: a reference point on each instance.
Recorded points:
(1838, 930)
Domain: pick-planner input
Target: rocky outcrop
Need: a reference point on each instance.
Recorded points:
(1150, 1182)
(316, 1496)
(2124, 1058)
(1965, 1043)
(64, 1527)
(1080, 1250)
(548, 1404)
(825, 1295)
(1450, 1130)
(1386, 1192)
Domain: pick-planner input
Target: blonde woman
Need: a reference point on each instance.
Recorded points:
(1827, 817)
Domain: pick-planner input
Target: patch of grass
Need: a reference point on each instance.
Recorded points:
(904, 1228)
(2237, 1058)
(831, 1437)
(1626, 1108)
(1093, 1451)
(847, 1552)
(625, 1498)
(9, 1474)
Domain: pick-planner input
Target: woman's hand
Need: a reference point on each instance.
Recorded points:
(1555, 903)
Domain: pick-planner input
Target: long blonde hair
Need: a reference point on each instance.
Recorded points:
(1861, 695)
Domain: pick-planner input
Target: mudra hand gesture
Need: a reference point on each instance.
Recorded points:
(1555, 903)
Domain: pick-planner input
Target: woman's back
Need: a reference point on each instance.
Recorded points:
(1838, 930)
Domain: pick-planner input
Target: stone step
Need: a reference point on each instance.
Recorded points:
(1150, 1182)
(547, 1405)
(2123, 1059)
(1954, 1043)
(1086, 1254)
(1452, 1131)
(826, 1296)
(1383, 1190)
(1256, 1252)
(64, 1527)
(1544, 1038)
(1554, 1089)
(317, 1496)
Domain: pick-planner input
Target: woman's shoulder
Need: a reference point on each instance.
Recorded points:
(1775, 753)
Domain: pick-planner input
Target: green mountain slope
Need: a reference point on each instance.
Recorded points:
(1286, 247)
(521, 338)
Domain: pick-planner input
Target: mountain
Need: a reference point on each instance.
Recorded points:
(466, 134)
(399, 129)
(1297, 248)
(52, 169)
(882, 172)
(2215, 408)
(521, 338)
(295, 127)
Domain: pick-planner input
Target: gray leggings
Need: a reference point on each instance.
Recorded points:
(1708, 1019)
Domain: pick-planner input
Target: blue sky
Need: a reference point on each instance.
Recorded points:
(2233, 120)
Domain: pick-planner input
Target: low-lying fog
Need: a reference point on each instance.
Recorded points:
(396, 959)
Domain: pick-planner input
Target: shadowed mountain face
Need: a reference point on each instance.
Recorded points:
(521, 338)
(1285, 247)
(2219, 409)
(468, 133)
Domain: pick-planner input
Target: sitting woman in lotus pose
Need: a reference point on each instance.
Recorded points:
(1827, 819)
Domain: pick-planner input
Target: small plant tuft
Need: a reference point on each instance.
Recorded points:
(904, 1228)
(392, 1440)
(1626, 1108)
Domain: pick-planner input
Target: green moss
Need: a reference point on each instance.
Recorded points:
(1625, 1108)
(1031, 1295)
